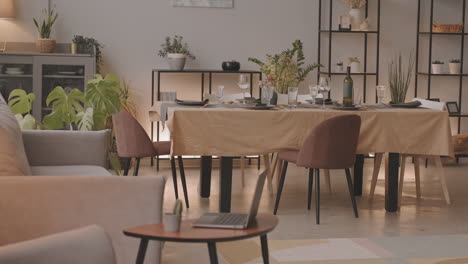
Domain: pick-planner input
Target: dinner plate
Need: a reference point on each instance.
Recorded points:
(413, 104)
(348, 108)
(191, 102)
(261, 107)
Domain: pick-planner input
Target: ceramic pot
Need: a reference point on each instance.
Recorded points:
(455, 68)
(172, 222)
(282, 99)
(176, 61)
(274, 99)
(356, 17)
(231, 66)
(45, 45)
(73, 48)
(437, 68)
(339, 68)
(355, 67)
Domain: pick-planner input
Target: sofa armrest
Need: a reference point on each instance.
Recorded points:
(36, 206)
(61, 148)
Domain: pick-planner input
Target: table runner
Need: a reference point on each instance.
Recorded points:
(233, 132)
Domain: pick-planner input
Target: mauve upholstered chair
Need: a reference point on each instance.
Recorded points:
(133, 142)
(331, 145)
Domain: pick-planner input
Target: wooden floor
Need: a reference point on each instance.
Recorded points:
(428, 216)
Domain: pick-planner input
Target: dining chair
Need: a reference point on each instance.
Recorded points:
(331, 145)
(416, 158)
(133, 142)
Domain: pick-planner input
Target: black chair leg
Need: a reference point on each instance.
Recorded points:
(311, 184)
(174, 177)
(280, 185)
(182, 178)
(317, 196)
(137, 167)
(127, 166)
(351, 192)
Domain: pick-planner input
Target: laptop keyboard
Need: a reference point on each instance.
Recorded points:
(230, 219)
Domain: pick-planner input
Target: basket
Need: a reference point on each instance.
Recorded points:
(45, 45)
(447, 28)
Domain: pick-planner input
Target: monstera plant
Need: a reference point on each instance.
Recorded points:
(65, 108)
(20, 104)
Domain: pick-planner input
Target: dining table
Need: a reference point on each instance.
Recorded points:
(229, 131)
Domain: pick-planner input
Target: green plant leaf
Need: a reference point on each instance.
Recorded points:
(65, 107)
(115, 163)
(20, 102)
(86, 120)
(53, 121)
(103, 96)
(27, 122)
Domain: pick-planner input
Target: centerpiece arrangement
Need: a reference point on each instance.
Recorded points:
(285, 69)
(176, 51)
(400, 78)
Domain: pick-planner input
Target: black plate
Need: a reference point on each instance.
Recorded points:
(320, 101)
(191, 102)
(348, 108)
(261, 107)
(413, 104)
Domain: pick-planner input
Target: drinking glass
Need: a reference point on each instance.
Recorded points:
(292, 95)
(380, 91)
(313, 89)
(324, 87)
(244, 83)
(219, 93)
(267, 94)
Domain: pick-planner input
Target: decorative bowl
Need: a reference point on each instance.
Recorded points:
(231, 66)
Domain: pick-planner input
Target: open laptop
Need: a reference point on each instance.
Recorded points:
(232, 220)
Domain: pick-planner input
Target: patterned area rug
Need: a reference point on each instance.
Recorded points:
(386, 250)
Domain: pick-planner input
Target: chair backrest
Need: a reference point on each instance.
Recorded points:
(89, 245)
(332, 144)
(131, 139)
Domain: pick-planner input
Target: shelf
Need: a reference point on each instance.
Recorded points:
(459, 115)
(350, 32)
(442, 33)
(15, 75)
(353, 73)
(64, 76)
(442, 74)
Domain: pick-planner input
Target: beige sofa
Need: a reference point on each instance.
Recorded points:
(55, 181)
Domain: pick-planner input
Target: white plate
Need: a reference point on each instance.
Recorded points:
(14, 73)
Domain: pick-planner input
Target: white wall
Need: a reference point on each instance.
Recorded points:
(133, 30)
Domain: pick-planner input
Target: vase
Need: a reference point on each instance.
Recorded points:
(282, 99)
(172, 222)
(274, 99)
(176, 61)
(45, 45)
(356, 18)
(437, 68)
(339, 68)
(355, 67)
(73, 48)
(455, 68)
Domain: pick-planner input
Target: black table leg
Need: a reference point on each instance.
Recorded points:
(206, 163)
(213, 253)
(358, 174)
(391, 189)
(225, 184)
(142, 251)
(265, 253)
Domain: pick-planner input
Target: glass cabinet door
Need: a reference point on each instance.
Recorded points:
(15, 73)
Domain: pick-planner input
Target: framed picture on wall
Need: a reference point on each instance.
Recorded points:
(452, 108)
(344, 23)
(204, 3)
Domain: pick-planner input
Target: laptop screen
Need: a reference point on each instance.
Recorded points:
(257, 196)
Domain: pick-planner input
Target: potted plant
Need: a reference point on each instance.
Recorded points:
(285, 70)
(85, 45)
(437, 67)
(176, 52)
(355, 64)
(45, 44)
(455, 66)
(172, 220)
(339, 66)
(399, 78)
(355, 12)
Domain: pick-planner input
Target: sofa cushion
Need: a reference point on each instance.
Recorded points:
(89, 245)
(69, 171)
(13, 160)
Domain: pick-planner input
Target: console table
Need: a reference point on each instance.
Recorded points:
(202, 72)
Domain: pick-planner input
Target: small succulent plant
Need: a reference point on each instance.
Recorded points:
(455, 61)
(437, 62)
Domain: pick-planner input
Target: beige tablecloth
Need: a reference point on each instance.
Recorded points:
(233, 132)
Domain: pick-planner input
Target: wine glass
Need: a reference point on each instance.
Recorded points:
(380, 91)
(324, 87)
(267, 94)
(244, 83)
(219, 93)
(313, 89)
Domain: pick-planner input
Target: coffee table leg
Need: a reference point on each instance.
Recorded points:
(213, 253)
(142, 251)
(265, 252)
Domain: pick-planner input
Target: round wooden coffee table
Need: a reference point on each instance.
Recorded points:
(263, 224)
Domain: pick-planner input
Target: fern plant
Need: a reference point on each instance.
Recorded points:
(287, 68)
(45, 27)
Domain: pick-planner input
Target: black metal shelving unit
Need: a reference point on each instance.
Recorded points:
(331, 31)
(429, 75)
